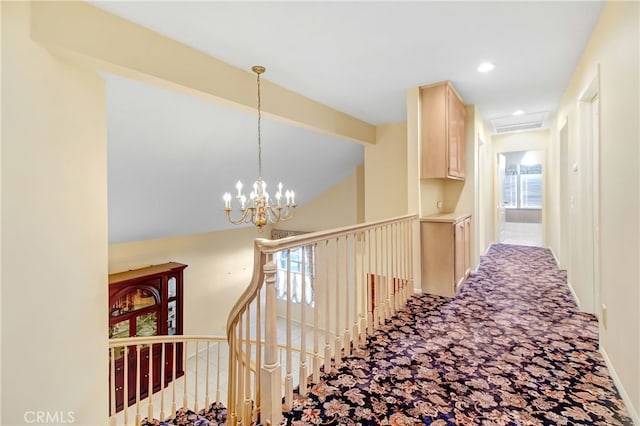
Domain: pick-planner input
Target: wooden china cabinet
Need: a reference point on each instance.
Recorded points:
(146, 302)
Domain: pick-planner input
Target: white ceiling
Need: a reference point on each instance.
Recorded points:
(356, 57)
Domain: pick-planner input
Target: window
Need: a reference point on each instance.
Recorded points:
(297, 257)
(522, 187)
(300, 262)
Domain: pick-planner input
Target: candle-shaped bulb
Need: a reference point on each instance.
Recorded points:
(264, 186)
(280, 187)
(239, 188)
(252, 195)
(243, 200)
(293, 197)
(288, 196)
(227, 200)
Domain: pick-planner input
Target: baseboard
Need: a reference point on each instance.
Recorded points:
(553, 253)
(623, 393)
(575, 296)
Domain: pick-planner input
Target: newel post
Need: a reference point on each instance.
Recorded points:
(270, 376)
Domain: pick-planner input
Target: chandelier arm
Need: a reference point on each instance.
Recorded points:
(243, 219)
(274, 215)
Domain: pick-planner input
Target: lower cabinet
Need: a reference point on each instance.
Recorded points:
(446, 252)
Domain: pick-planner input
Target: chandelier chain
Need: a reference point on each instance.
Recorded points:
(259, 132)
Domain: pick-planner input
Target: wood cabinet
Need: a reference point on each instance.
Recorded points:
(146, 302)
(442, 132)
(446, 252)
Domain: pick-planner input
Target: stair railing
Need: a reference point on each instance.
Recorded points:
(312, 300)
(151, 377)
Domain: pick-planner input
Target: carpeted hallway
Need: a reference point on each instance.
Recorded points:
(510, 349)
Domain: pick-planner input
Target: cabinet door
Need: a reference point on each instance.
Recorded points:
(467, 247)
(456, 136)
(459, 253)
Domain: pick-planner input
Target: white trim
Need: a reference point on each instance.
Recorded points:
(575, 296)
(623, 393)
(553, 253)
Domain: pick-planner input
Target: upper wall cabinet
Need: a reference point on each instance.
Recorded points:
(442, 132)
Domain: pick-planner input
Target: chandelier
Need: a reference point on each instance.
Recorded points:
(260, 209)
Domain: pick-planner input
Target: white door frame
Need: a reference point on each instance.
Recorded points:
(589, 135)
(563, 137)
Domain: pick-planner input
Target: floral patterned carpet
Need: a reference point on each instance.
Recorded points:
(511, 348)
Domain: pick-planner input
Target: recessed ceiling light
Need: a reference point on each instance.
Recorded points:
(518, 112)
(485, 67)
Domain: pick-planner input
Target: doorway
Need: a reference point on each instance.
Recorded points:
(520, 197)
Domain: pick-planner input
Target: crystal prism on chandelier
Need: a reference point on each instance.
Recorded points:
(260, 209)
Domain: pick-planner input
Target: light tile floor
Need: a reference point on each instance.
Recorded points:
(526, 234)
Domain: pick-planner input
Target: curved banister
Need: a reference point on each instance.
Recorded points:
(371, 276)
(252, 290)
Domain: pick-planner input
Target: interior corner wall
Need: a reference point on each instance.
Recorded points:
(54, 233)
(336, 207)
(386, 173)
(614, 50)
(220, 266)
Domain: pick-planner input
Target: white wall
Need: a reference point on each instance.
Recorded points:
(613, 49)
(54, 233)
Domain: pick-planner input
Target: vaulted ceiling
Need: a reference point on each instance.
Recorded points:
(172, 156)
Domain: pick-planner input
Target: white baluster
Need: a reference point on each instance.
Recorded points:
(207, 401)
(150, 391)
(370, 284)
(338, 343)
(363, 288)
(355, 337)
(174, 407)
(138, 381)
(347, 286)
(327, 316)
(185, 397)
(288, 382)
(303, 325)
(218, 373)
(195, 378)
(163, 375)
(125, 391)
(316, 320)
(112, 386)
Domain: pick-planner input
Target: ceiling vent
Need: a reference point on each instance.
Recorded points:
(515, 123)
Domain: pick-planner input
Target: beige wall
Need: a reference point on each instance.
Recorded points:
(385, 173)
(54, 233)
(614, 50)
(484, 200)
(340, 205)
